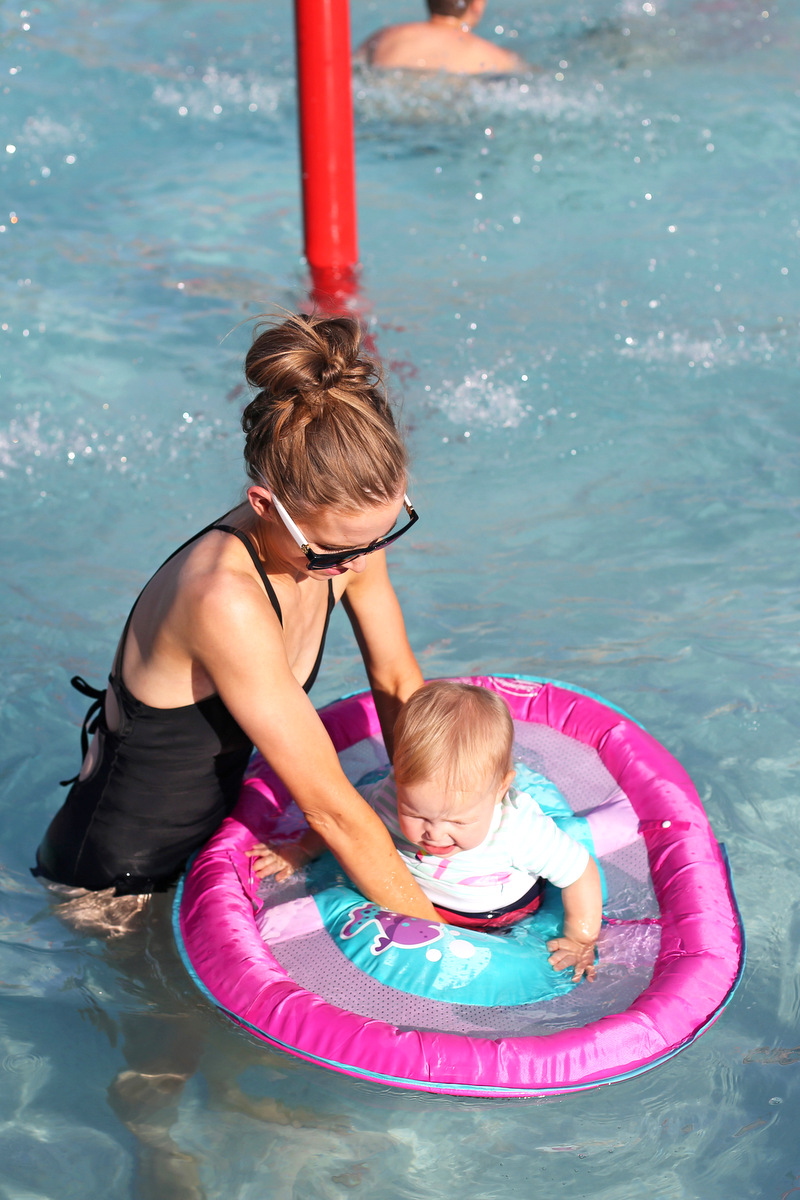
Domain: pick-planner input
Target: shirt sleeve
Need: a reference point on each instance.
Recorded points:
(382, 797)
(542, 848)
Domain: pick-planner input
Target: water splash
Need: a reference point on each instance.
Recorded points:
(480, 399)
(408, 98)
(207, 97)
(33, 440)
(724, 350)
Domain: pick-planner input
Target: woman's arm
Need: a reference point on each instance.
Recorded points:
(237, 639)
(393, 671)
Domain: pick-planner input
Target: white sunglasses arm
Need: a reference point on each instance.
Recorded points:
(288, 522)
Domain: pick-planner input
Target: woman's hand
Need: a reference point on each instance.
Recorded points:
(282, 859)
(566, 952)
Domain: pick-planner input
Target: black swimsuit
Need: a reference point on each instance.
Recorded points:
(162, 783)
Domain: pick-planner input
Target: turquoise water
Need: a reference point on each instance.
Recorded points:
(587, 289)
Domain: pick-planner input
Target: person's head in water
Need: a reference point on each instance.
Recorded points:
(468, 11)
(321, 443)
(452, 765)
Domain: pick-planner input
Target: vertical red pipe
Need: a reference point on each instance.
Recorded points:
(327, 145)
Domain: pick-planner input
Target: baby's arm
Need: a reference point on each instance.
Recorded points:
(583, 911)
(284, 858)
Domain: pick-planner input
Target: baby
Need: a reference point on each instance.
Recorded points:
(478, 848)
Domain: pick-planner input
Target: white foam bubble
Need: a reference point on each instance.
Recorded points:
(681, 346)
(45, 132)
(209, 95)
(479, 400)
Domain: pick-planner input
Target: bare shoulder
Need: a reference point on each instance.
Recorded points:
(220, 590)
(365, 588)
(486, 56)
(365, 51)
(381, 48)
(420, 46)
(203, 609)
(412, 46)
(215, 562)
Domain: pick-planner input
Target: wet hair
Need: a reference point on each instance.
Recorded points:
(320, 430)
(448, 8)
(456, 733)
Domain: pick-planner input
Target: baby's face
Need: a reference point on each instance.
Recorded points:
(445, 822)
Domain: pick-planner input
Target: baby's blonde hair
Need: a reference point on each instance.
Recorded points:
(456, 733)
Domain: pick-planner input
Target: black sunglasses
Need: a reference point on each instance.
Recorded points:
(338, 558)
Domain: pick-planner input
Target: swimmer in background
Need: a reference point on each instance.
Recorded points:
(445, 42)
(479, 849)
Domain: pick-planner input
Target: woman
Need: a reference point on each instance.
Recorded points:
(224, 642)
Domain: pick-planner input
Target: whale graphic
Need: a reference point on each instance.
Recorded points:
(394, 929)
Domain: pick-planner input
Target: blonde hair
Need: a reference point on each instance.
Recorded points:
(454, 732)
(320, 430)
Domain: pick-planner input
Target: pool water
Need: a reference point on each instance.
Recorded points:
(586, 285)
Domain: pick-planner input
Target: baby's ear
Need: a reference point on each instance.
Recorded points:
(505, 784)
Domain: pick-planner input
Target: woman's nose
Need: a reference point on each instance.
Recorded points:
(357, 564)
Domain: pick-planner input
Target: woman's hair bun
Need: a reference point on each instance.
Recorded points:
(307, 355)
(331, 372)
(319, 412)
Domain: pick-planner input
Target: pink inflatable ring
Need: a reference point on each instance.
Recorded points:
(283, 960)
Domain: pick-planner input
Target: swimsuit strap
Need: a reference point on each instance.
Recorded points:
(90, 721)
(259, 566)
(309, 683)
(257, 563)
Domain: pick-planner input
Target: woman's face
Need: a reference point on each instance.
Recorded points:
(329, 531)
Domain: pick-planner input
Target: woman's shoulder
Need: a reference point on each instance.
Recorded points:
(216, 557)
(214, 578)
(223, 568)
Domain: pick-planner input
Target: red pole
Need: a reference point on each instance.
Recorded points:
(327, 148)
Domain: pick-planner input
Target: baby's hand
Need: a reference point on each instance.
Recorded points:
(566, 952)
(280, 860)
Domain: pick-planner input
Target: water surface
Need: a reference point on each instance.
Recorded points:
(586, 285)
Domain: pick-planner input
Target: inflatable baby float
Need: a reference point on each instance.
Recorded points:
(312, 967)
